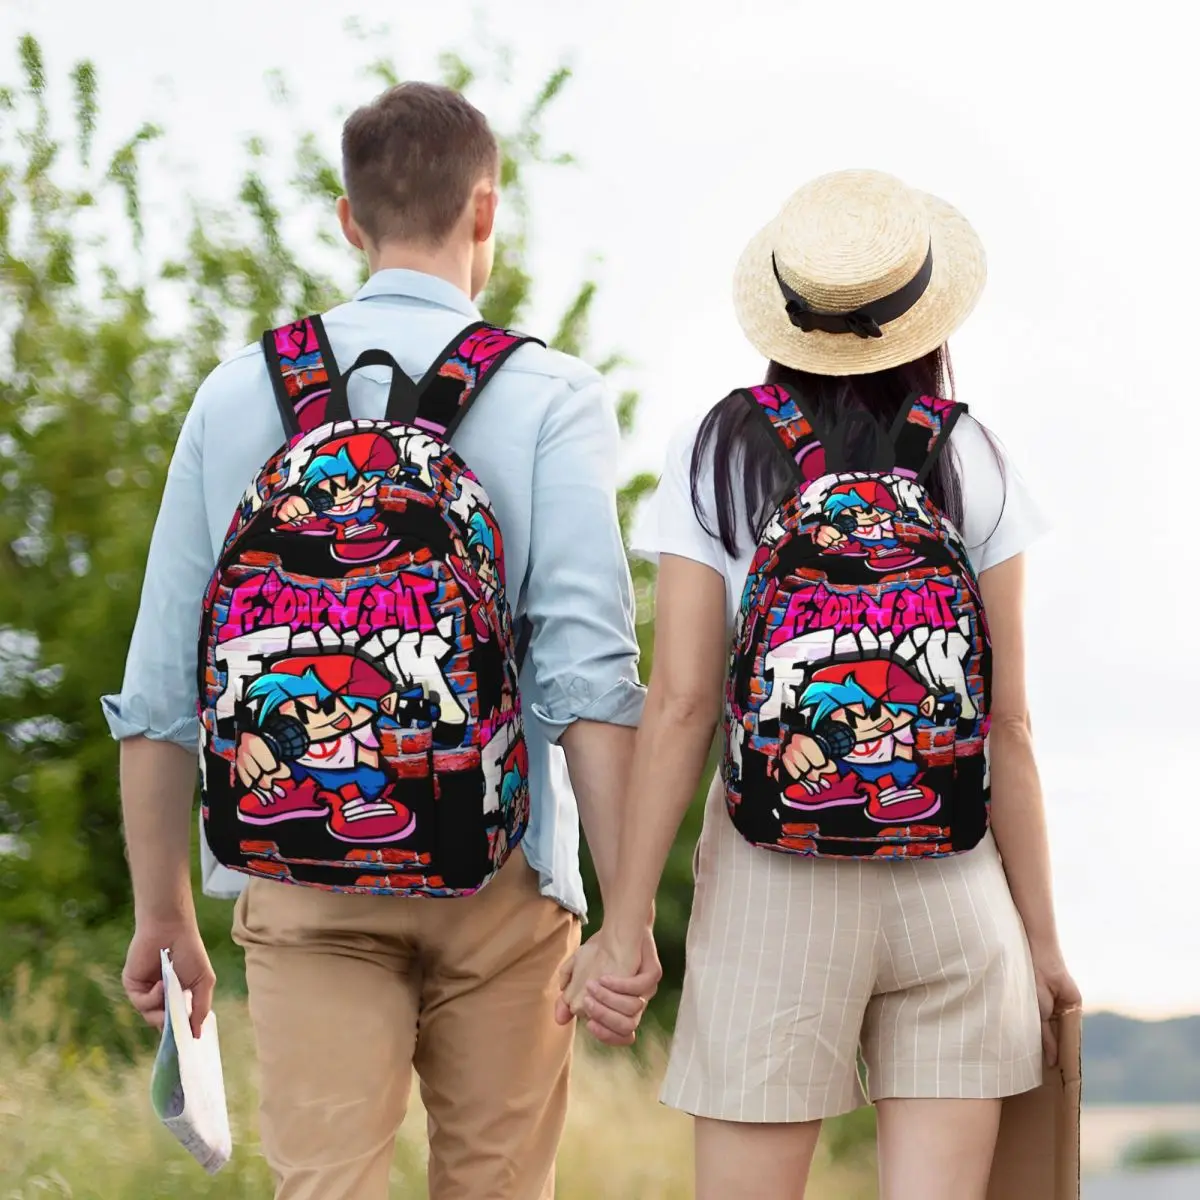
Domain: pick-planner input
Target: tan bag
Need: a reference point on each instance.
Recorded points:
(1037, 1152)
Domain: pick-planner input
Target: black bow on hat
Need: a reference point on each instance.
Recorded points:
(864, 322)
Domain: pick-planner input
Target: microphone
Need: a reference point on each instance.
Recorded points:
(835, 739)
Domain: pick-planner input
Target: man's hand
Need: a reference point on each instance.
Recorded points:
(828, 535)
(142, 977)
(609, 987)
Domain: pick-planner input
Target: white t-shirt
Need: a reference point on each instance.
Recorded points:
(1000, 518)
(338, 754)
(882, 749)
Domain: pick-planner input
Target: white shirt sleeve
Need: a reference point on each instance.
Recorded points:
(1000, 517)
(159, 692)
(670, 524)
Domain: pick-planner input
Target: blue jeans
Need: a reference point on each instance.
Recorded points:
(902, 770)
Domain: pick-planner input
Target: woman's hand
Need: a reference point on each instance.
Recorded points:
(609, 985)
(1056, 993)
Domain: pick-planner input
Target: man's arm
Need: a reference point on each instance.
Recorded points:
(584, 652)
(155, 719)
(157, 782)
(579, 600)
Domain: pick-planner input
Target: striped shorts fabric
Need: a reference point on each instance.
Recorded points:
(796, 967)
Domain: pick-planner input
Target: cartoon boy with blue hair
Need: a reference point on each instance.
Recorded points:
(858, 519)
(339, 493)
(861, 742)
(481, 544)
(313, 751)
(479, 587)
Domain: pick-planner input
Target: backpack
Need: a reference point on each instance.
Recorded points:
(360, 719)
(859, 686)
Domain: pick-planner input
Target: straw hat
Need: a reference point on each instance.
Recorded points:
(858, 273)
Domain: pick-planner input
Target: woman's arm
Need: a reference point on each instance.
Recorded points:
(680, 716)
(1018, 814)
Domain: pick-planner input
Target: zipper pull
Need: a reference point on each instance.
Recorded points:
(432, 712)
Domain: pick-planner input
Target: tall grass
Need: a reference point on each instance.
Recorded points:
(76, 1123)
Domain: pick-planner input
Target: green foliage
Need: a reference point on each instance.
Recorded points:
(1162, 1149)
(850, 1137)
(93, 386)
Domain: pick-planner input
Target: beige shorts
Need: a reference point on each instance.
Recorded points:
(796, 965)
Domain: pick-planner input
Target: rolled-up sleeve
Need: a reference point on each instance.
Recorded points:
(578, 595)
(158, 695)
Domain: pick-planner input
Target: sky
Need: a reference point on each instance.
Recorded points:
(1063, 134)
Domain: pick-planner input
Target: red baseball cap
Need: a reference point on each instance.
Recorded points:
(871, 490)
(367, 451)
(883, 678)
(342, 674)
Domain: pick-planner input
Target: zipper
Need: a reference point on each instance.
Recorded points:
(432, 707)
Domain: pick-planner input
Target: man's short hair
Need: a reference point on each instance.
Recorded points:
(410, 160)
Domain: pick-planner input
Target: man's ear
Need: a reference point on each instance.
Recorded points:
(390, 703)
(928, 705)
(350, 231)
(486, 199)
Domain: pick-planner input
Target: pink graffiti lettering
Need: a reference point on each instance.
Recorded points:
(266, 601)
(930, 605)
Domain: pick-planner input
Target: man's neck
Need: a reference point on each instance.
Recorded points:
(451, 263)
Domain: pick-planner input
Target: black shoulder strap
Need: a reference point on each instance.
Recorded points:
(303, 373)
(311, 392)
(921, 431)
(453, 383)
(794, 429)
(524, 637)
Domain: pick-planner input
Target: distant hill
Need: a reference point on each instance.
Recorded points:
(1126, 1061)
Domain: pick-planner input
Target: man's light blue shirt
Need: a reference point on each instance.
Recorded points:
(542, 439)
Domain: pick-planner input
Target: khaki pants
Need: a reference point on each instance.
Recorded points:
(349, 993)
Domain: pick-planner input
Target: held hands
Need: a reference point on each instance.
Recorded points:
(609, 987)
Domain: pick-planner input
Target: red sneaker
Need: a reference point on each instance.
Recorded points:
(357, 819)
(284, 800)
(892, 805)
(363, 549)
(892, 558)
(834, 790)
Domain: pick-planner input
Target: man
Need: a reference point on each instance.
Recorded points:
(348, 993)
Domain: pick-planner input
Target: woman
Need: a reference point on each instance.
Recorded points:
(930, 952)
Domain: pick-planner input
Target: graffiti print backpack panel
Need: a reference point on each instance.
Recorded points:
(856, 716)
(360, 720)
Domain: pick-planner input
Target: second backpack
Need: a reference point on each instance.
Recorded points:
(859, 691)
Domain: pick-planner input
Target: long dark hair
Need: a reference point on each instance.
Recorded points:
(859, 406)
